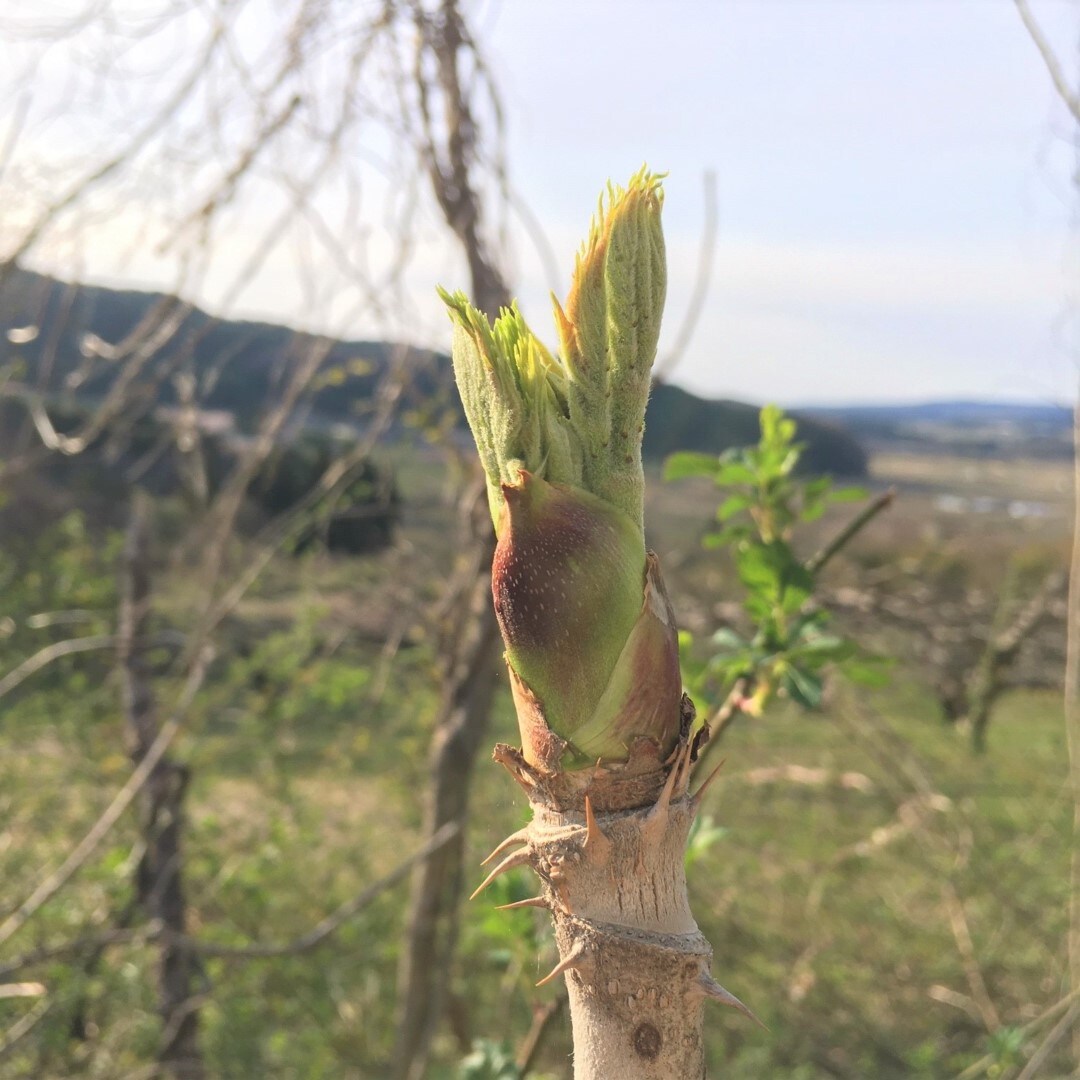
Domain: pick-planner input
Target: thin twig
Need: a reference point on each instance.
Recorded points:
(1046, 1048)
(43, 657)
(722, 719)
(1072, 721)
(850, 530)
(956, 1000)
(87, 943)
(910, 819)
(977, 1068)
(807, 776)
(155, 931)
(132, 148)
(115, 810)
(542, 1017)
(57, 651)
(544, 251)
(21, 990)
(966, 948)
(1053, 65)
(24, 1025)
(334, 921)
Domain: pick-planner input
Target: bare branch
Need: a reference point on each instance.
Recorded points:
(540, 241)
(82, 851)
(543, 1015)
(58, 650)
(24, 1025)
(86, 943)
(312, 939)
(1047, 1016)
(809, 777)
(319, 933)
(1055, 1035)
(44, 657)
(851, 530)
(1072, 721)
(1053, 65)
(130, 149)
(18, 121)
(21, 990)
(725, 715)
(961, 931)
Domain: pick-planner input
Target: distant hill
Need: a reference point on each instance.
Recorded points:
(89, 334)
(989, 428)
(679, 420)
(954, 412)
(87, 337)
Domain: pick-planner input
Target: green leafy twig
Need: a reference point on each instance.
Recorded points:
(791, 646)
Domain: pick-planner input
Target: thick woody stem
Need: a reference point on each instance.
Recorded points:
(592, 649)
(608, 845)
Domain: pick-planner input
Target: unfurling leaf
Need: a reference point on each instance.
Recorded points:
(590, 639)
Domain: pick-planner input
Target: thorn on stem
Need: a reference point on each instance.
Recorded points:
(520, 837)
(596, 844)
(712, 989)
(695, 802)
(533, 901)
(664, 800)
(673, 786)
(511, 862)
(573, 960)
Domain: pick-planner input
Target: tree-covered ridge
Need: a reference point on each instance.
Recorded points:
(240, 367)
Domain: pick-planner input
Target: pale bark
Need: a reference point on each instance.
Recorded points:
(608, 847)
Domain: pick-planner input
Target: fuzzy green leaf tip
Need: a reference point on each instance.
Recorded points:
(588, 631)
(576, 417)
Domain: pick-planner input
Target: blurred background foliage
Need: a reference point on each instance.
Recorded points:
(883, 866)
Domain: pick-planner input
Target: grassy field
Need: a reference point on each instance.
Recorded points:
(888, 904)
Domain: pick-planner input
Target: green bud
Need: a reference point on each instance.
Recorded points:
(589, 635)
(644, 690)
(608, 335)
(567, 582)
(514, 395)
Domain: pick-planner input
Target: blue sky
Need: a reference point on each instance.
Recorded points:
(896, 215)
(898, 220)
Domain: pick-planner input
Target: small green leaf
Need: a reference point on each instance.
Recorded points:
(769, 419)
(804, 687)
(730, 666)
(732, 505)
(704, 833)
(795, 594)
(822, 645)
(488, 1060)
(759, 607)
(726, 638)
(733, 472)
(848, 494)
(688, 463)
(790, 460)
(731, 534)
(759, 568)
